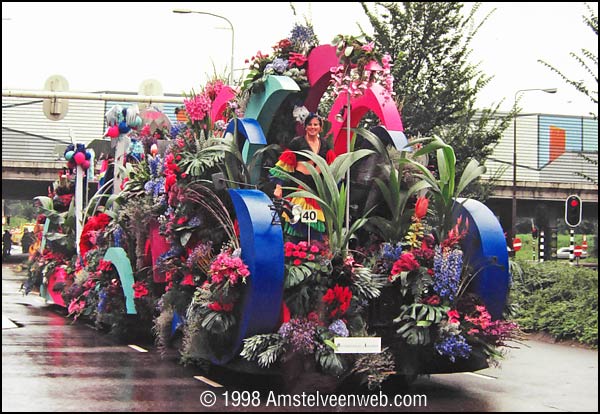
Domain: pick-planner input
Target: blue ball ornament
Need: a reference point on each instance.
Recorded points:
(123, 127)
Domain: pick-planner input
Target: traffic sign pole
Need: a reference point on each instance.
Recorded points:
(571, 246)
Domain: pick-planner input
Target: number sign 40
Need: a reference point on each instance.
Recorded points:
(308, 216)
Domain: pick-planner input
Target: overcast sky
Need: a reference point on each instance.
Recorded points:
(116, 46)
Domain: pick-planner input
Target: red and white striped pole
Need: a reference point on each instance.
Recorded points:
(541, 246)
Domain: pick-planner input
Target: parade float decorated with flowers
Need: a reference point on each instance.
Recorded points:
(407, 278)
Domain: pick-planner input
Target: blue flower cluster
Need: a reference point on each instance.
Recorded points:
(389, 254)
(174, 251)
(117, 236)
(155, 187)
(453, 347)
(447, 269)
(103, 297)
(302, 36)
(178, 128)
(338, 327)
(155, 165)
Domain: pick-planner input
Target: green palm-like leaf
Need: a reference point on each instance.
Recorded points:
(472, 171)
(444, 190)
(46, 202)
(330, 196)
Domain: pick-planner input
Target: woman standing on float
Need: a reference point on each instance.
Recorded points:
(294, 164)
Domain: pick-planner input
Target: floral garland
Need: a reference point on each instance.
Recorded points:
(358, 68)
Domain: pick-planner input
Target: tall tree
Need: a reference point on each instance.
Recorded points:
(588, 60)
(435, 84)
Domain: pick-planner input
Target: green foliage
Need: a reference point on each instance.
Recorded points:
(20, 211)
(416, 319)
(559, 299)
(435, 84)
(330, 362)
(444, 188)
(265, 349)
(330, 196)
(393, 226)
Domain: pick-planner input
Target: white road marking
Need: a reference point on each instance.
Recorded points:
(137, 348)
(207, 381)
(487, 377)
(7, 323)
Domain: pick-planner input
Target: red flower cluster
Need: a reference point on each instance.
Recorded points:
(171, 170)
(456, 234)
(140, 290)
(405, 263)
(220, 307)
(88, 233)
(421, 207)
(432, 300)
(297, 59)
(340, 298)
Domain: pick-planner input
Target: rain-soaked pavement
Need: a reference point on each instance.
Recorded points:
(52, 364)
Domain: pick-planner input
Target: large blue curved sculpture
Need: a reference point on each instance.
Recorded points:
(262, 251)
(485, 250)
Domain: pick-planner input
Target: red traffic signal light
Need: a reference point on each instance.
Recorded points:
(573, 211)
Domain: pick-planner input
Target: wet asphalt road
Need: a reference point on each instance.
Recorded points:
(52, 364)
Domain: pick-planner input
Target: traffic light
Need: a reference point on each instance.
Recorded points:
(573, 211)
(534, 233)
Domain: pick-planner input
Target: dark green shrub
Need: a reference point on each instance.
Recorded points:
(559, 299)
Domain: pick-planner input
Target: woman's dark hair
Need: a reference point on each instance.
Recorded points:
(312, 116)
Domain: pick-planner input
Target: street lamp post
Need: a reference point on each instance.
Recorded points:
(514, 163)
(186, 11)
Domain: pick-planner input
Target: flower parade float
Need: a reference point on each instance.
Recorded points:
(405, 277)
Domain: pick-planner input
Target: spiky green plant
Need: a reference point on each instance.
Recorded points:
(330, 195)
(444, 189)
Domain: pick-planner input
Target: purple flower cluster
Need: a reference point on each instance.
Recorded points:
(201, 253)
(453, 347)
(338, 327)
(447, 268)
(300, 334)
(278, 65)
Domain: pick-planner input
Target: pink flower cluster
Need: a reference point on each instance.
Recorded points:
(226, 268)
(76, 307)
(198, 106)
